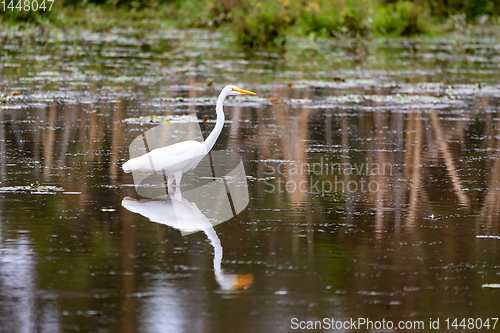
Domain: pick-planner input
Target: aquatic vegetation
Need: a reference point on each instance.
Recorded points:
(10, 97)
(421, 101)
(158, 119)
(31, 189)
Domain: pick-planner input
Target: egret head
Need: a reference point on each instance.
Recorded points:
(233, 90)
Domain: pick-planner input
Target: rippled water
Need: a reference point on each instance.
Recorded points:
(372, 170)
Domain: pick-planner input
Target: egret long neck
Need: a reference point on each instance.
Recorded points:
(210, 140)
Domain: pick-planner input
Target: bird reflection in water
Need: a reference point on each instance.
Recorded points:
(181, 214)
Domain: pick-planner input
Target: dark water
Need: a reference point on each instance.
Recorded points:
(373, 176)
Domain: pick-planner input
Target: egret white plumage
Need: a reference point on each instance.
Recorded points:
(177, 159)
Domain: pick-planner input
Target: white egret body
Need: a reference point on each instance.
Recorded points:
(179, 158)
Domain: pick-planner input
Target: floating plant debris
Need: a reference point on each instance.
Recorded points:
(491, 285)
(395, 99)
(488, 236)
(32, 189)
(154, 119)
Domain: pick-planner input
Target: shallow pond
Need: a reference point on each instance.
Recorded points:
(372, 169)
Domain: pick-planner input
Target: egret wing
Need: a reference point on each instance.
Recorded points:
(181, 156)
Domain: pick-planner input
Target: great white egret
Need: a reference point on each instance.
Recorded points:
(175, 160)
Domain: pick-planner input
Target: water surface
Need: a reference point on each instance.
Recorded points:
(372, 171)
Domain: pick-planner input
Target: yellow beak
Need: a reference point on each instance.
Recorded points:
(243, 280)
(244, 91)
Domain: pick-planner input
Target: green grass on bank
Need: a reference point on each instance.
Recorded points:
(267, 23)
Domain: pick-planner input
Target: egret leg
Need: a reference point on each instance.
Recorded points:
(178, 194)
(170, 180)
(178, 177)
